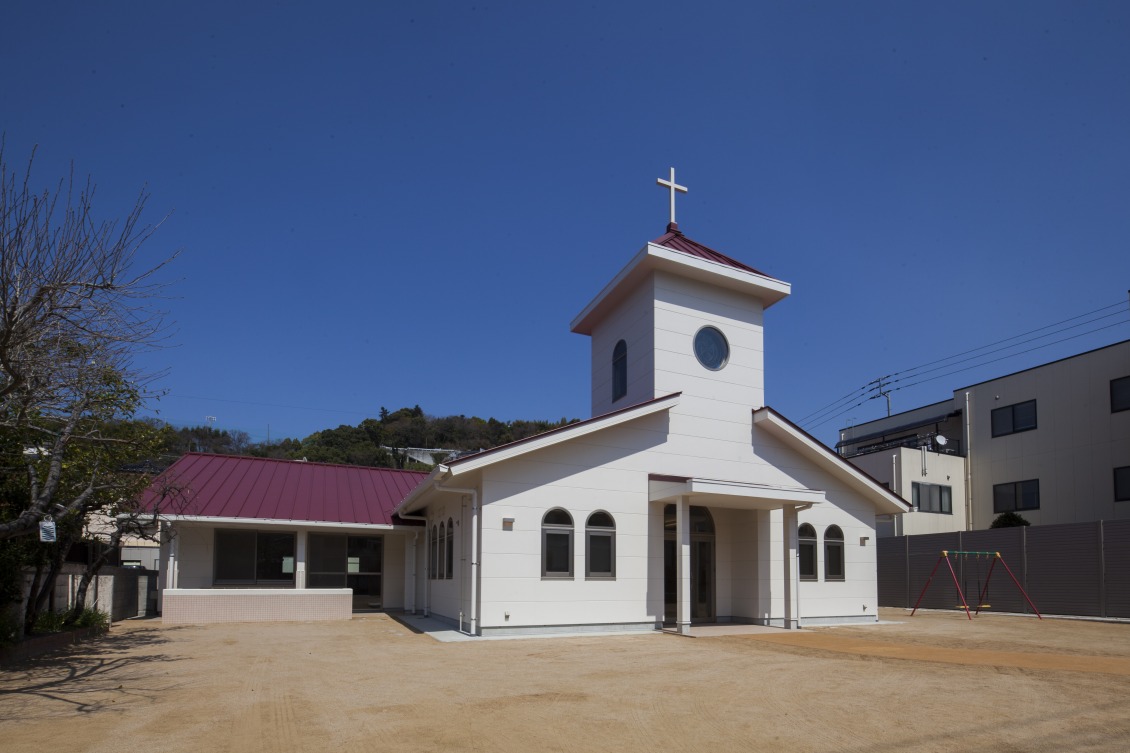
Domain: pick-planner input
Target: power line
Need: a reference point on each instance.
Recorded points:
(908, 372)
(839, 413)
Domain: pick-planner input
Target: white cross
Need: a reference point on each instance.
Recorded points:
(673, 187)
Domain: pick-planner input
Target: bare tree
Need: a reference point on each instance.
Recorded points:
(73, 313)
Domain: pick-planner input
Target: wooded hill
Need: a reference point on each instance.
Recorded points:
(365, 443)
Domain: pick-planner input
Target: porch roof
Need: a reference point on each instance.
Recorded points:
(739, 495)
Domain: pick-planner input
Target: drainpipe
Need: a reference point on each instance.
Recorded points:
(968, 425)
(473, 571)
(797, 510)
(427, 561)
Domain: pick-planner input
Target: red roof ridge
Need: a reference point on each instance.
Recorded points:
(303, 462)
(676, 241)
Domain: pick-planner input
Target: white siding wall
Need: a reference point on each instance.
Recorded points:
(632, 322)
(682, 308)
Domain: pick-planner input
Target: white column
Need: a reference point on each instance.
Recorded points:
(410, 573)
(683, 558)
(300, 560)
(789, 552)
(173, 579)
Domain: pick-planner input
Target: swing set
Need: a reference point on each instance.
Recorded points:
(996, 557)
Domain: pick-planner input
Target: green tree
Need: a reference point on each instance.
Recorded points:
(1009, 520)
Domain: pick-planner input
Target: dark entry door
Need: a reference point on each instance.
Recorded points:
(702, 566)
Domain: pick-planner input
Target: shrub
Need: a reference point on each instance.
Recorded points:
(1009, 520)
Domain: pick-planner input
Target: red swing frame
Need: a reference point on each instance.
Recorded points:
(981, 598)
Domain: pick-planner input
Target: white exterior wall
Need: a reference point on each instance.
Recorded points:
(1074, 449)
(682, 308)
(633, 322)
(608, 471)
(900, 467)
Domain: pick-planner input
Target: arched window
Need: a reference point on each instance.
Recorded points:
(600, 546)
(806, 546)
(833, 553)
(433, 553)
(619, 370)
(442, 551)
(450, 548)
(557, 544)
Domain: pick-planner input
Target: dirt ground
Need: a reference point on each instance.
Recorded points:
(935, 682)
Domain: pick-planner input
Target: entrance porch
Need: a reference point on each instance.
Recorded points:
(729, 551)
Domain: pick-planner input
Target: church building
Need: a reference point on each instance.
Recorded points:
(684, 500)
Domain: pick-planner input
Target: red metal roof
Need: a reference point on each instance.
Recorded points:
(229, 486)
(675, 240)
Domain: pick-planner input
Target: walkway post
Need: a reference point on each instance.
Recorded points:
(683, 558)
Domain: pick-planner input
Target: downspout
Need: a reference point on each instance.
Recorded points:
(473, 570)
(797, 510)
(427, 561)
(966, 420)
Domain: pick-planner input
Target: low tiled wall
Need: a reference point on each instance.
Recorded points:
(187, 606)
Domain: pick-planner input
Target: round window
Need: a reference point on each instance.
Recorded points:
(711, 348)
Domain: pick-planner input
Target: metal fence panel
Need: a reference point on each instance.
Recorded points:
(891, 565)
(1116, 548)
(1064, 568)
(923, 554)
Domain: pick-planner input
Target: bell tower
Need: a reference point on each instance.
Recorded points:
(680, 317)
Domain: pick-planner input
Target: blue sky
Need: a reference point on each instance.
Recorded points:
(407, 203)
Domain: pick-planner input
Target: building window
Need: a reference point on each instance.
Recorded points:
(441, 570)
(806, 546)
(1012, 419)
(600, 546)
(433, 553)
(1122, 484)
(253, 558)
(833, 553)
(932, 498)
(619, 370)
(335, 560)
(557, 544)
(450, 549)
(1120, 394)
(1017, 495)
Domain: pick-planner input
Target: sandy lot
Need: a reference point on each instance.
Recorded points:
(932, 683)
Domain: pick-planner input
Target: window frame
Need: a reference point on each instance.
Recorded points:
(1016, 491)
(597, 531)
(1116, 385)
(834, 552)
(619, 370)
(556, 529)
(450, 550)
(945, 497)
(808, 542)
(1011, 413)
(1125, 472)
(433, 553)
(255, 581)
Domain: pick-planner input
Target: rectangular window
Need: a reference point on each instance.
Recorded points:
(335, 560)
(932, 498)
(1012, 419)
(558, 554)
(1122, 484)
(833, 560)
(253, 558)
(1120, 394)
(601, 555)
(1018, 495)
(807, 551)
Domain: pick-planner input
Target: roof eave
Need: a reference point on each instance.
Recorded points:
(653, 257)
(780, 427)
